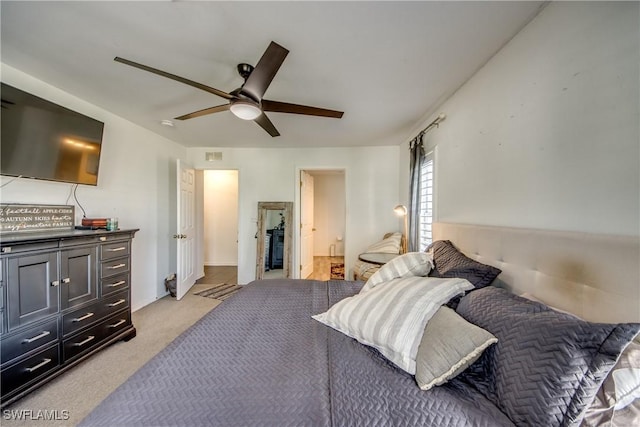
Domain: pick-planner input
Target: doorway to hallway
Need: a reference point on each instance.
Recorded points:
(220, 226)
(322, 222)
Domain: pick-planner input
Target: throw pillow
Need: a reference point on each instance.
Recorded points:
(409, 264)
(448, 261)
(448, 346)
(391, 318)
(388, 245)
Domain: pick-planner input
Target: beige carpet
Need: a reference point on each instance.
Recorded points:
(71, 396)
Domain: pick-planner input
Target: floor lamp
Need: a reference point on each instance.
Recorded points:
(401, 210)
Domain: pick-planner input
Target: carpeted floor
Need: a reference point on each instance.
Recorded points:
(221, 291)
(72, 395)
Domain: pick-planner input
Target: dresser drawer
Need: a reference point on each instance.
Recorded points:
(114, 250)
(87, 340)
(8, 248)
(114, 303)
(81, 343)
(28, 340)
(114, 284)
(116, 323)
(30, 369)
(113, 267)
(78, 319)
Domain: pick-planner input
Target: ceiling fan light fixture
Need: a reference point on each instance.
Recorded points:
(245, 110)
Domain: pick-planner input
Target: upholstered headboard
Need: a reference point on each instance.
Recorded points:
(596, 277)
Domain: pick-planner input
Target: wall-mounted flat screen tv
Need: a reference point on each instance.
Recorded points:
(43, 140)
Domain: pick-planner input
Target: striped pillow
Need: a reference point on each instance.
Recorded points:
(392, 318)
(409, 264)
(389, 245)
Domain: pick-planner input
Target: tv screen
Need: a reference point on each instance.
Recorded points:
(43, 140)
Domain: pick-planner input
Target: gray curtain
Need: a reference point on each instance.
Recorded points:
(413, 210)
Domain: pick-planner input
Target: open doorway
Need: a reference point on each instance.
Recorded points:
(220, 227)
(322, 224)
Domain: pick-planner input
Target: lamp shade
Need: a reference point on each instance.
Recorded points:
(400, 210)
(245, 110)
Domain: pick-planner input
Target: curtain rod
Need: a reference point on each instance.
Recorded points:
(435, 123)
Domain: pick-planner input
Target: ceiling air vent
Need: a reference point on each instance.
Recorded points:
(211, 156)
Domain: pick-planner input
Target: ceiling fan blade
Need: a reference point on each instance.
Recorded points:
(266, 124)
(204, 112)
(174, 77)
(285, 107)
(261, 76)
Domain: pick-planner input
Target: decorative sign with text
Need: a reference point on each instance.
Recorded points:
(15, 218)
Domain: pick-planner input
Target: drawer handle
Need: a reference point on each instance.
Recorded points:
(66, 280)
(39, 365)
(36, 338)
(113, 304)
(120, 283)
(55, 283)
(80, 319)
(121, 248)
(115, 267)
(81, 343)
(118, 323)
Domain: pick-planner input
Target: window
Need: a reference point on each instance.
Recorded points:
(425, 236)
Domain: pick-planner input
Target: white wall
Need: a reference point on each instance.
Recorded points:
(328, 213)
(546, 134)
(220, 217)
(272, 175)
(136, 182)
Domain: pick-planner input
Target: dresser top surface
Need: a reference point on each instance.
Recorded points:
(36, 236)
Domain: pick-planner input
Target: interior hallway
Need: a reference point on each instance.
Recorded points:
(229, 274)
(219, 274)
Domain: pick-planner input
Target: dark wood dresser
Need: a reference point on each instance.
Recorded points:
(276, 248)
(63, 296)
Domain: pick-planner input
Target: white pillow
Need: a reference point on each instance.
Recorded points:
(449, 345)
(406, 265)
(389, 245)
(627, 386)
(391, 318)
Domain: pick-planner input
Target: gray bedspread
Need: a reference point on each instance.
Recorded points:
(259, 359)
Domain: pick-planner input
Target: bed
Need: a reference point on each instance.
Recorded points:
(274, 353)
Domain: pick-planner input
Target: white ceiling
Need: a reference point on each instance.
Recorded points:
(387, 65)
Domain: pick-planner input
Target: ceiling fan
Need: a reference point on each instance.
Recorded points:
(246, 102)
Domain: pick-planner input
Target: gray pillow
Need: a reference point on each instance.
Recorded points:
(448, 346)
(450, 262)
(547, 366)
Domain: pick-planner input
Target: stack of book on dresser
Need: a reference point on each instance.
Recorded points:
(94, 222)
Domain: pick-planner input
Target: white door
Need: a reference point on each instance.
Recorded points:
(306, 224)
(185, 237)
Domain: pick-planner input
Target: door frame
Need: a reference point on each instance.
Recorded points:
(297, 241)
